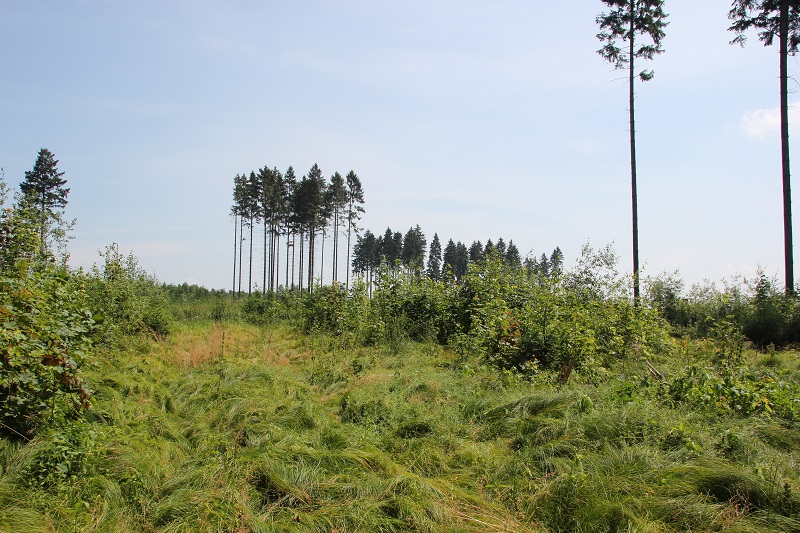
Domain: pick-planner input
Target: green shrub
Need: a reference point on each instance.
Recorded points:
(45, 341)
(125, 300)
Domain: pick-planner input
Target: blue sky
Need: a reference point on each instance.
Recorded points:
(473, 119)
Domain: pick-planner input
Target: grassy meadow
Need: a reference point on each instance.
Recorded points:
(233, 426)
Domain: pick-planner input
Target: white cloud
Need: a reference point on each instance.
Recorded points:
(763, 123)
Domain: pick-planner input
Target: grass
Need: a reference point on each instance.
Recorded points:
(229, 427)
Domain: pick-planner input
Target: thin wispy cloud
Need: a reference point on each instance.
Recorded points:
(766, 123)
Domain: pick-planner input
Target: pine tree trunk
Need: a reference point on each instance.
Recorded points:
(250, 268)
(311, 235)
(787, 189)
(241, 241)
(634, 206)
(322, 257)
(288, 240)
(264, 281)
(347, 267)
(336, 244)
(294, 248)
(300, 266)
(42, 243)
(235, 238)
(275, 275)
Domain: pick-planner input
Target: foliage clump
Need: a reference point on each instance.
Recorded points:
(46, 333)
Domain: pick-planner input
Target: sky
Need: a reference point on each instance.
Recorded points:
(474, 119)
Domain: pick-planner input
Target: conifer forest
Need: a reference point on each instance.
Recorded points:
(355, 379)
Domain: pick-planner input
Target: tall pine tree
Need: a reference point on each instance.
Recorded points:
(629, 21)
(43, 189)
(781, 19)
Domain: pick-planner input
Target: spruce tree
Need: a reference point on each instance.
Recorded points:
(449, 261)
(476, 252)
(512, 257)
(462, 261)
(414, 245)
(556, 260)
(434, 270)
(500, 247)
(43, 189)
(489, 249)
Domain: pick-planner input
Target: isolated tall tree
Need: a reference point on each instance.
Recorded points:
(355, 198)
(632, 21)
(43, 188)
(775, 19)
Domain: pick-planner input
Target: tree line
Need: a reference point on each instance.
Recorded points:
(395, 250)
(299, 212)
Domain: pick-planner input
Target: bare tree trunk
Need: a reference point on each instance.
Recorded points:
(787, 189)
(275, 275)
(250, 269)
(241, 241)
(322, 257)
(347, 267)
(294, 248)
(336, 244)
(235, 238)
(300, 266)
(311, 235)
(634, 206)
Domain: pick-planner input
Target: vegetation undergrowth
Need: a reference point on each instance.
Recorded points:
(232, 426)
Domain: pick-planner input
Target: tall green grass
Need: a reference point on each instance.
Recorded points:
(225, 426)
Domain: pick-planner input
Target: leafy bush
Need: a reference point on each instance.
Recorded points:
(761, 310)
(45, 341)
(125, 299)
(565, 321)
(733, 389)
(45, 328)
